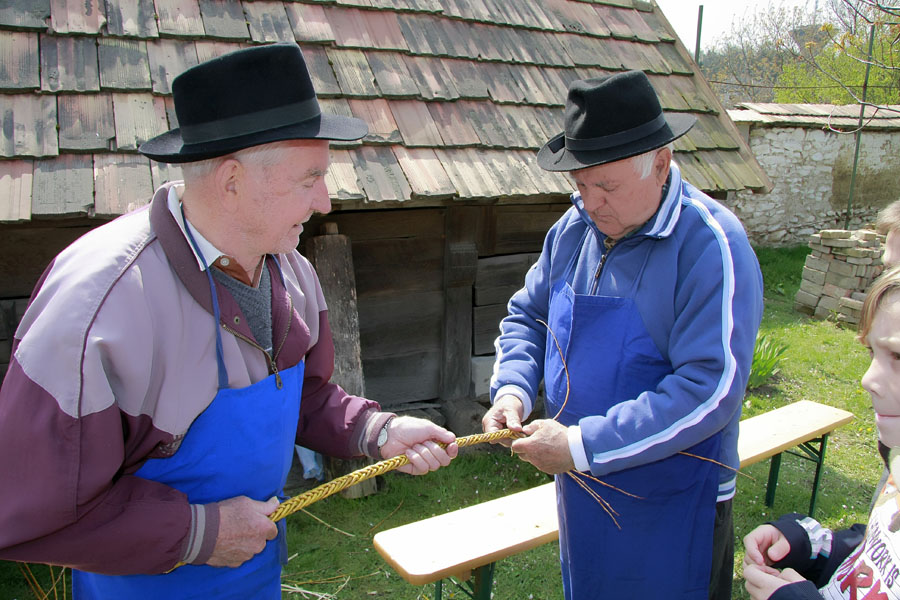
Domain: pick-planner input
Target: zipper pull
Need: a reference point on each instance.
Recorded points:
(278, 383)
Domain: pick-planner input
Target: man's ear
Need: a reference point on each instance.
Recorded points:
(229, 180)
(661, 163)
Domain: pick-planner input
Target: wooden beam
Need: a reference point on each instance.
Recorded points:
(460, 266)
(332, 257)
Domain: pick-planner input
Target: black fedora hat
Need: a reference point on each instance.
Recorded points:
(246, 98)
(608, 119)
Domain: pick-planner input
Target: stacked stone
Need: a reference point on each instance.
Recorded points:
(838, 272)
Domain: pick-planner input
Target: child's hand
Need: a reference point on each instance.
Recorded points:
(762, 581)
(765, 545)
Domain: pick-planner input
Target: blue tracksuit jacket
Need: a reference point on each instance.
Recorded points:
(700, 297)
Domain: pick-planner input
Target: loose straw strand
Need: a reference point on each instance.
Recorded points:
(334, 486)
(565, 367)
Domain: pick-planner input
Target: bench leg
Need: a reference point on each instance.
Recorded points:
(820, 460)
(477, 588)
(484, 580)
(774, 467)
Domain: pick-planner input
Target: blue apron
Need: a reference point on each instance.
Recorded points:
(242, 444)
(611, 358)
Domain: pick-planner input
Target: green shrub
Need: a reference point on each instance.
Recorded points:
(766, 361)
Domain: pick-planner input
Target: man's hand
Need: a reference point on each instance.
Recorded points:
(765, 546)
(506, 413)
(418, 439)
(244, 529)
(762, 581)
(546, 447)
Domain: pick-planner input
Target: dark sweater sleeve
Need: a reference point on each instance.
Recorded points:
(817, 568)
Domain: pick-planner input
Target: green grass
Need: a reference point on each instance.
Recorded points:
(823, 362)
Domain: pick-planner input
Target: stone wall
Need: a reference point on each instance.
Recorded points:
(837, 274)
(810, 169)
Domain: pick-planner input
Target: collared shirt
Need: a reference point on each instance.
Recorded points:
(208, 253)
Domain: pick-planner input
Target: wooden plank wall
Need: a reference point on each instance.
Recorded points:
(413, 270)
(398, 260)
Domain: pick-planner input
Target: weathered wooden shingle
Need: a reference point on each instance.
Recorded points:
(168, 59)
(224, 19)
(131, 18)
(209, 49)
(179, 17)
(391, 75)
(470, 178)
(124, 64)
(309, 22)
(377, 114)
(353, 73)
(85, 122)
(15, 190)
(138, 118)
(268, 22)
(341, 178)
(432, 79)
(163, 173)
(29, 126)
(19, 61)
(63, 186)
(69, 64)
(25, 14)
(122, 183)
(453, 124)
(77, 16)
(380, 174)
(415, 123)
(426, 175)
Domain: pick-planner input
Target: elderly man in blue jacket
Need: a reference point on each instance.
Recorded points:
(640, 317)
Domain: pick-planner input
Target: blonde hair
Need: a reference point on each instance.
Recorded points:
(886, 284)
(889, 218)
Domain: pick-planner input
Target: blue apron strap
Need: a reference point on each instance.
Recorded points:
(220, 353)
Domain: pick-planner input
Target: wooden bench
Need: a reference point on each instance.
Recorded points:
(472, 539)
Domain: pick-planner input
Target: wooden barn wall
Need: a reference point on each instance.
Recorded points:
(406, 293)
(25, 251)
(397, 258)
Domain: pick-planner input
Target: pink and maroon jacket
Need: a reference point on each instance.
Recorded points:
(112, 362)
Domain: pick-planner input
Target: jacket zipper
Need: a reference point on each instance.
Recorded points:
(269, 357)
(596, 282)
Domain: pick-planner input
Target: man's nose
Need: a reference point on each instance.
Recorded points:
(321, 200)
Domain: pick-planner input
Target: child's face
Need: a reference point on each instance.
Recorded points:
(882, 379)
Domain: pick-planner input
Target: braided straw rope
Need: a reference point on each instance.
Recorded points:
(336, 485)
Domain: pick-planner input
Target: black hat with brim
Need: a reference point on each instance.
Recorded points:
(608, 119)
(246, 98)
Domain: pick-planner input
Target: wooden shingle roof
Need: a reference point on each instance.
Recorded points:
(459, 94)
(843, 117)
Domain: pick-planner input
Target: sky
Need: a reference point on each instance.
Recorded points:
(717, 17)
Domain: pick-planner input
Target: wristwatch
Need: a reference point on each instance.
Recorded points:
(383, 434)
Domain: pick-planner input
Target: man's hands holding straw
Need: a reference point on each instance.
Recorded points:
(547, 444)
(420, 440)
